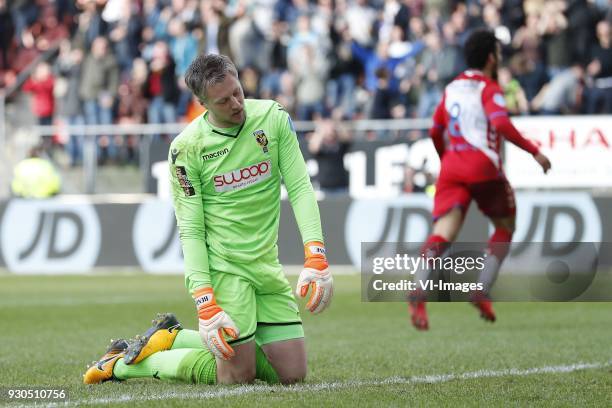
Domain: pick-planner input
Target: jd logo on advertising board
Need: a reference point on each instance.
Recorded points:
(155, 238)
(50, 236)
(400, 220)
(557, 242)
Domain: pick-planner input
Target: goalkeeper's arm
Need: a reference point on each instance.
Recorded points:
(186, 191)
(214, 323)
(315, 275)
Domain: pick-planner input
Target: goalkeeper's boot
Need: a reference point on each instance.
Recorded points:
(158, 338)
(102, 370)
(482, 302)
(418, 311)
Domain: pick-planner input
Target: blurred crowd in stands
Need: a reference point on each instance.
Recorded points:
(122, 61)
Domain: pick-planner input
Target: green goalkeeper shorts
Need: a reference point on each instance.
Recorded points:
(258, 298)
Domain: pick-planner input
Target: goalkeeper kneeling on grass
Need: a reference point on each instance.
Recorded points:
(226, 169)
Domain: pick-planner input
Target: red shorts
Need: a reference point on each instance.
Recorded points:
(495, 198)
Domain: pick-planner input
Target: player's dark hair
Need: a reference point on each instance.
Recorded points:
(208, 70)
(478, 46)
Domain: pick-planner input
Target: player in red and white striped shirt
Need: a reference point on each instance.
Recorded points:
(469, 124)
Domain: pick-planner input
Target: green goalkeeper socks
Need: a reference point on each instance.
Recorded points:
(199, 367)
(187, 365)
(188, 339)
(263, 369)
(188, 361)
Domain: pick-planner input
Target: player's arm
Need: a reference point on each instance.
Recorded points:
(315, 275)
(189, 209)
(186, 189)
(495, 109)
(436, 132)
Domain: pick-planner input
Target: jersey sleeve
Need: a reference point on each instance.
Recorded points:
(494, 105)
(436, 132)
(493, 101)
(297, 181)
(186, 189)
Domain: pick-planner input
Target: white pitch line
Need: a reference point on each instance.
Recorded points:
(261, 389)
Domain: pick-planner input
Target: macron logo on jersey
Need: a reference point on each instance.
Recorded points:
(242, 178)
(216, 154)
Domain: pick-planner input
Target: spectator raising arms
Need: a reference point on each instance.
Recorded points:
(348, 59)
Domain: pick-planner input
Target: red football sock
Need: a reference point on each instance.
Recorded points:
(434, 247)
(499, 243)
(497, 250)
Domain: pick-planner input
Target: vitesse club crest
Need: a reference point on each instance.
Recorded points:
(262, 140)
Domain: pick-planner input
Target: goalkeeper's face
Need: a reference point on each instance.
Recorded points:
(225, 102)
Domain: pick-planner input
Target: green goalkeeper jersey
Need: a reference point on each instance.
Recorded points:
(226, 188)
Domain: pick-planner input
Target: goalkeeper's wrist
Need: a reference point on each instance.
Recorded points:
(204, 297)
(314, 248)
(315, 255)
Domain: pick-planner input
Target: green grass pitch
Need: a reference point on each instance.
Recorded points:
(359, 354)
